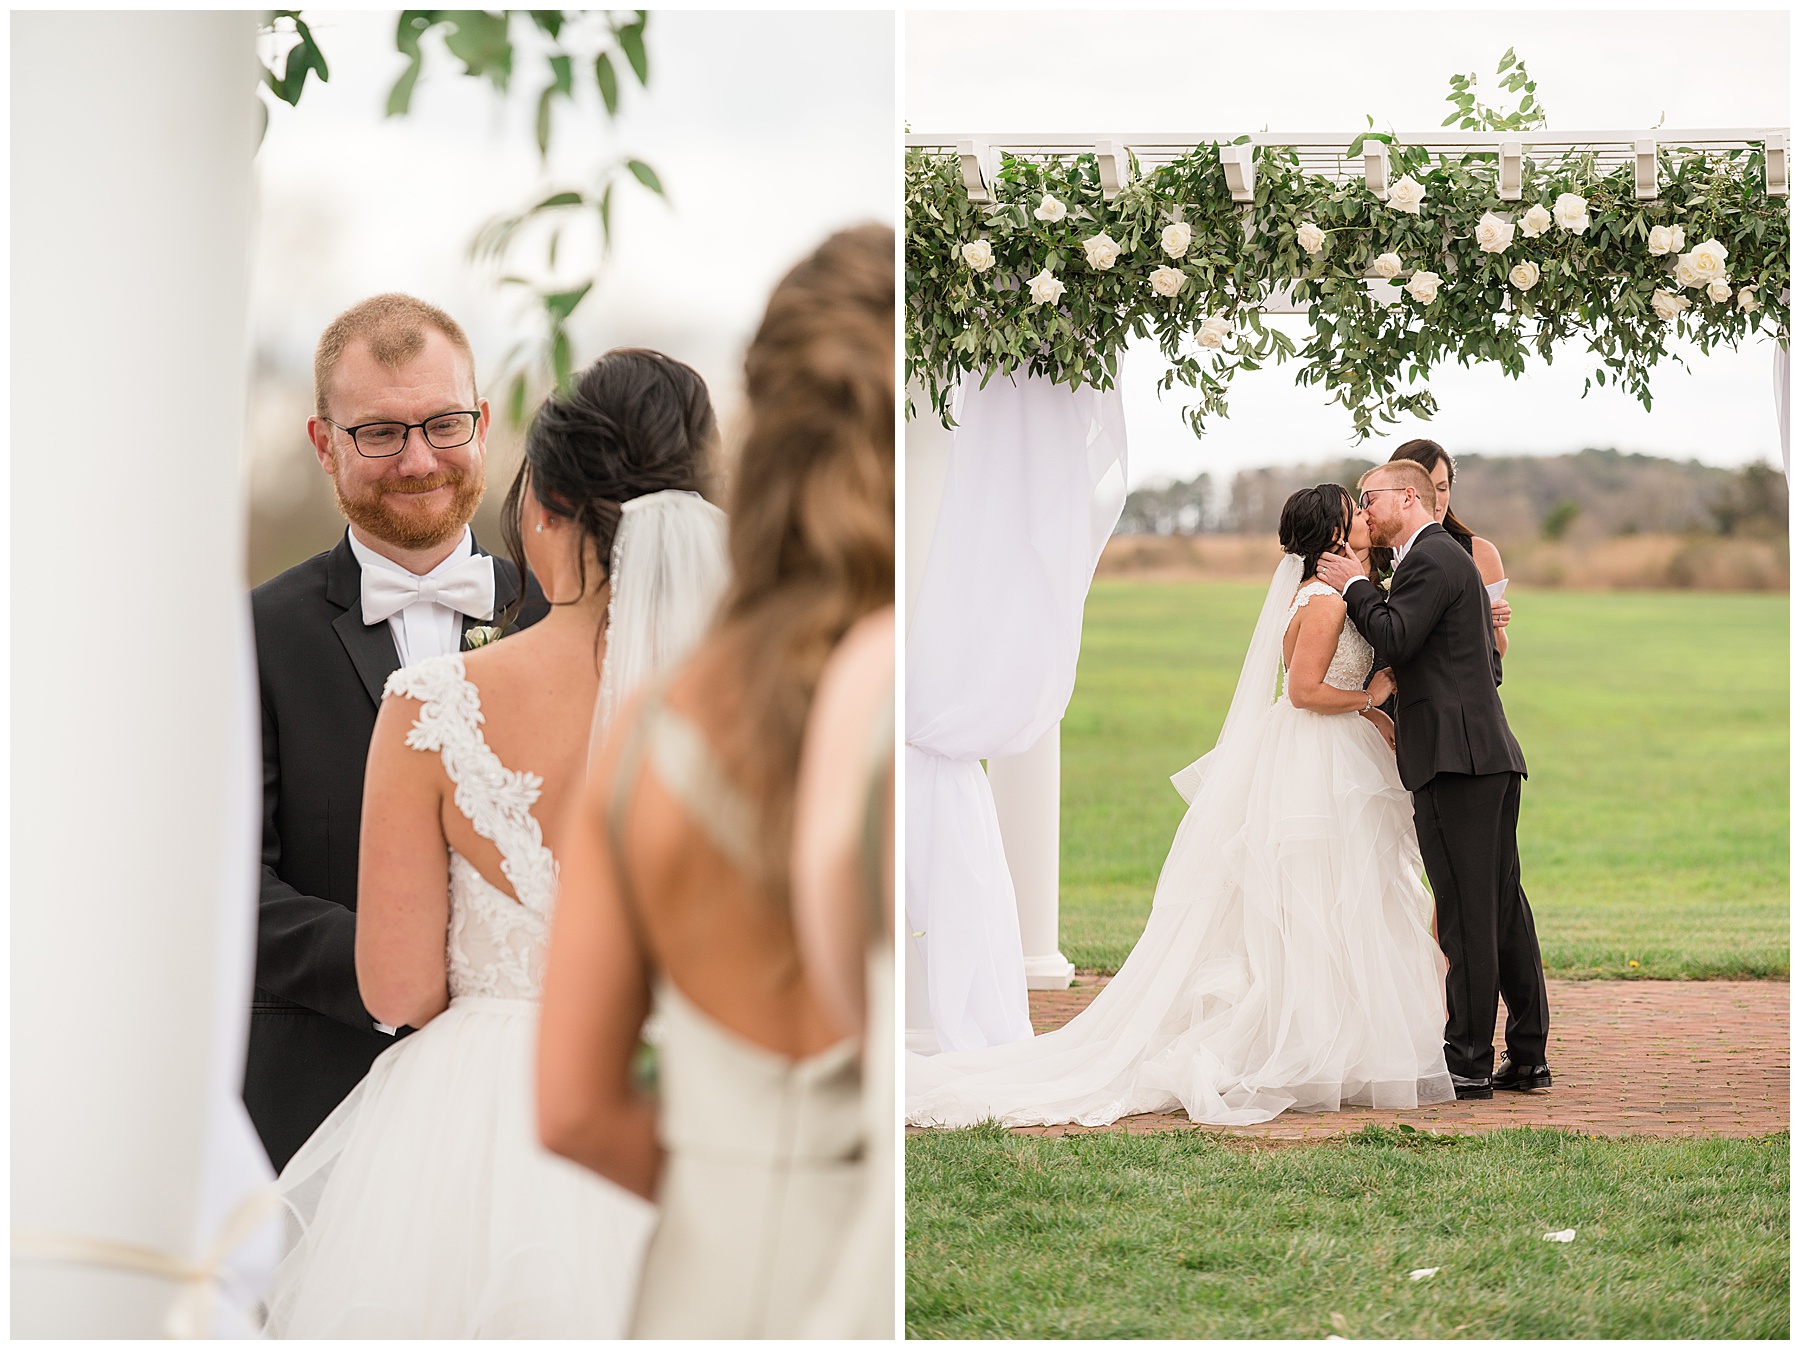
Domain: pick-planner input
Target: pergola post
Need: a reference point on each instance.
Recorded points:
(1028, 798)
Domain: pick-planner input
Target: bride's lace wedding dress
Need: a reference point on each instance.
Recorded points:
(425, 1205)
(1287, 962)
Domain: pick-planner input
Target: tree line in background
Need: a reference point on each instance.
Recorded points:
(1596, 494)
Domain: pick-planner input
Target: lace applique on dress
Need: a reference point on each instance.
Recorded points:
(495, 946)
(1354, 657)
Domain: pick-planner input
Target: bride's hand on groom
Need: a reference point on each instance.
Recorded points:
(1381, 687)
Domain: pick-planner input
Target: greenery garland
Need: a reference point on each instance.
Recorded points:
(1054, 280)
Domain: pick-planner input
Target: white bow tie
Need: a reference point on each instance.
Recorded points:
(467, 588)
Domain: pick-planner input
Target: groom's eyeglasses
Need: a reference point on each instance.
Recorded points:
(383, 440)
(1363, 501)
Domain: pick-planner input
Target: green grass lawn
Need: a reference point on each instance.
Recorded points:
(1197, 1235)
(1655, 821)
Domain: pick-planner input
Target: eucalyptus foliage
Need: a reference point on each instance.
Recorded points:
(1370, 352)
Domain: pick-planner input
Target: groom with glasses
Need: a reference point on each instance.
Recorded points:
(402, 433)
(1458, 758)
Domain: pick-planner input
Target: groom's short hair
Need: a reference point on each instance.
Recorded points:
(394, 326)
(1404, 473)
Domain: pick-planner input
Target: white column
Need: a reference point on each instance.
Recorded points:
(135, 793)
(1028, 797)
(927, 461)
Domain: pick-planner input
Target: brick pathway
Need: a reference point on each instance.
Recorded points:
(1651, 1057)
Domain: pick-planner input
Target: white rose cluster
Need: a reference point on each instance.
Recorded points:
(1666, 239)
(1424, 286)
(1310, 237)
(1050, 209)
(1494, 234)
(1702, 267)
(1045, 288)
(978, 256)
(1406, 195)
(1177, 238)
(1102, 251)
(1167, 281)
(1213, 332)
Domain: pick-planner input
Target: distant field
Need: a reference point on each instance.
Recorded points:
(1655, 822)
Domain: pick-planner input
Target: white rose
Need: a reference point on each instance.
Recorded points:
(1167, 281)
(978, 255)
(1705, 264)
(1176, 238)
(1424, 286)
(1718, 289)
(1535, 221)
(1667, 305)
(1387, 265)
(1310, 237)
(1406, 196)
(1747, 301)
(1494, 234)
(1570, 212)
(1045, 289)
(1213, 332)
(1665, 239)
(1050, 209)
(1524, 275)
(1102, 251)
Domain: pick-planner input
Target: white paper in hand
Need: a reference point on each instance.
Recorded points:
(1496, 589)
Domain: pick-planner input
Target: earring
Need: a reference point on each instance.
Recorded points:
(540, 527)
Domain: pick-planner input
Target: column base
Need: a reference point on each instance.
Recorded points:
(1054, 971)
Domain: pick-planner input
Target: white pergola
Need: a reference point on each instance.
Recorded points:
(1027, 787)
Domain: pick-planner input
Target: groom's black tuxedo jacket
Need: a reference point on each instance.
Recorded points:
(321, 672)
(1435, 628)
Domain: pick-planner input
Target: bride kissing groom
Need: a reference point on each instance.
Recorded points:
(1287, 962)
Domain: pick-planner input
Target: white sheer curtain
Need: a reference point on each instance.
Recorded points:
(1781, 401)
(1035, 484)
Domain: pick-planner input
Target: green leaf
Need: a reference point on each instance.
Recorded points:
(515, 403)
(561, 304)
(608, 80)
(562, 69)
(543, 119)
(557, 199)
(606, 199)
(645, 175)
(478, 39)
(549, 20)
(562, 364)
(631, 42)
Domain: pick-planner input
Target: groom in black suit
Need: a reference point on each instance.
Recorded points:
(1458, 758)
(403, 435)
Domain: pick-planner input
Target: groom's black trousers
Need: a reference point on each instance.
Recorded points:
(1468, 828)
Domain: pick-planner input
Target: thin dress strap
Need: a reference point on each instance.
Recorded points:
(874, 833)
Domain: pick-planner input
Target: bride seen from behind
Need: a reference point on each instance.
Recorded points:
(1286, 963)
(426, 1205)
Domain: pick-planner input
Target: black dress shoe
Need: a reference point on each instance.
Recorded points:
(1472, 1089)
(1510, 1077)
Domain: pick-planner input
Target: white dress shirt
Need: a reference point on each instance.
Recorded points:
(1399, 553)
(425, 627)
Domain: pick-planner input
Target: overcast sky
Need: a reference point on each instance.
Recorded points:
(769, 130)
(1215, 70)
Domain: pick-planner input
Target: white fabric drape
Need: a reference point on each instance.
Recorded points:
(1035, 485)
(1781, 401)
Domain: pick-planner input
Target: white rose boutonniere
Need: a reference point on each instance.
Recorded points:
(1213, 332)
(1570, 212)
(978, 256)
(1424, 286)
(1494, 234)
(1718, 289)
(1177, 238)
(1406, 196)
(1102, 251)
(1667, 304)
(1050, 209)
(481, 636)
(1167, 281)
(1387, 265)
(1524, 275)
(1045, 288)
(1535, 221)
(1666, 239)
(1747, 301)
(1310, 237)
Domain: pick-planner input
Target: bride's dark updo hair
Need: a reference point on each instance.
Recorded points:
(1313, 521)
(636, 422)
